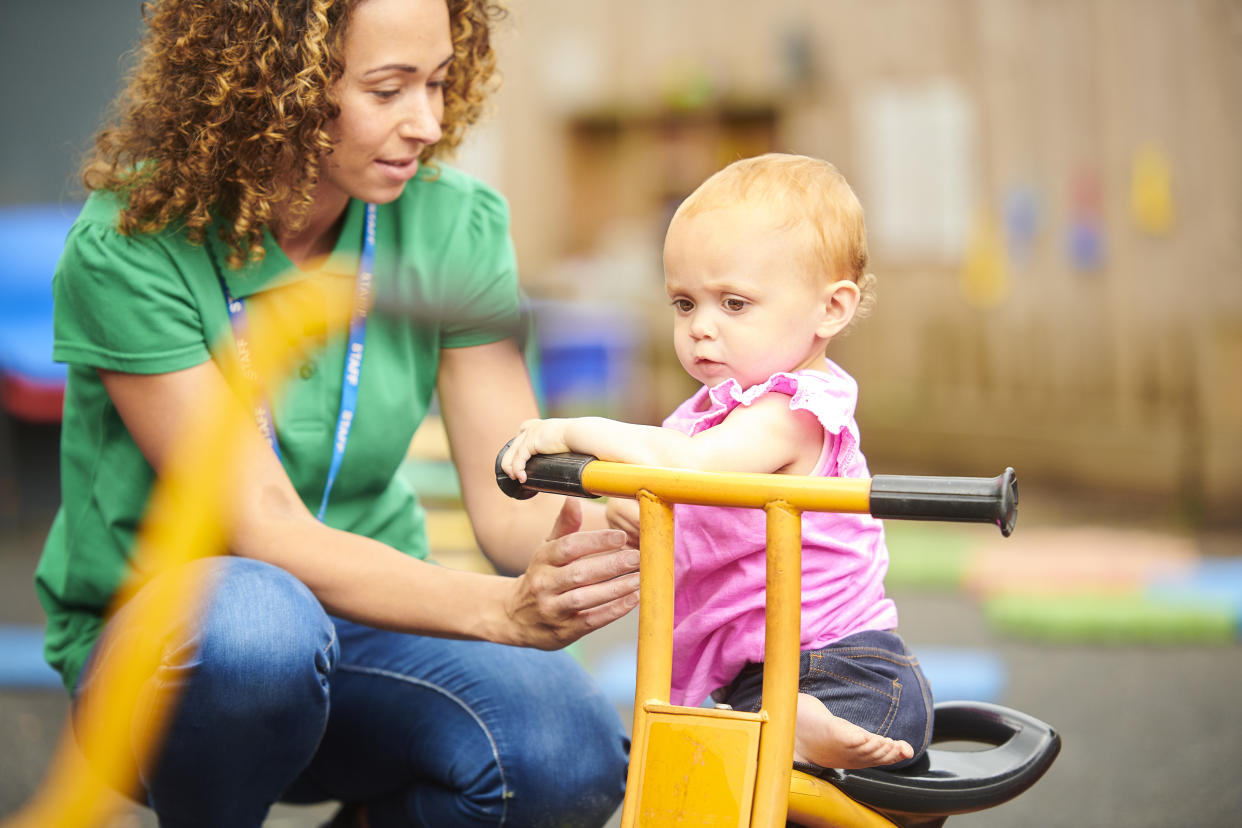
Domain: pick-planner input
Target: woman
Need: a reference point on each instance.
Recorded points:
(333, 662)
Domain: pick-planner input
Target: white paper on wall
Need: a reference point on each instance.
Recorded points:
(917, 144)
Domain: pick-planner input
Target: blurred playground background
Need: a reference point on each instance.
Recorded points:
(1054, 196)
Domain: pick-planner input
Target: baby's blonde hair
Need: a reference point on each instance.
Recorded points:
(802, 193)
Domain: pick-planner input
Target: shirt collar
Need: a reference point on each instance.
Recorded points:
(275, 270)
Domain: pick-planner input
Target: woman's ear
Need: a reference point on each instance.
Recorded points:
(840, 302)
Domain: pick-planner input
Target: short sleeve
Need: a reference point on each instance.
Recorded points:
(830, 396)
(121, 303)
(482, 303)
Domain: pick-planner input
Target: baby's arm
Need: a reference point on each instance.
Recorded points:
(603, 438)
(763, 437)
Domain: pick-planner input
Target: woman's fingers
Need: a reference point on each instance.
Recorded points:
(604, 614)
(582, 546)
(576, 582)
(582, 572)
(584, 609)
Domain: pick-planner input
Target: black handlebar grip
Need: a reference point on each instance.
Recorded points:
(556, 473)
(971, 499)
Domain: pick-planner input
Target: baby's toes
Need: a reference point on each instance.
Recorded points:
(895, 751)
(894, 754)
(876, 747)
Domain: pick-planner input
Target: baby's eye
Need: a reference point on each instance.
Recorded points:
(683, 305)
(734, 304)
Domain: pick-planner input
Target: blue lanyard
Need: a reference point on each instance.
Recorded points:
(353, 359)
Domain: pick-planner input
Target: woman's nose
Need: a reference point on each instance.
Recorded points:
(421, 122)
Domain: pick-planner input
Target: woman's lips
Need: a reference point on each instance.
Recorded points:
(399, 169)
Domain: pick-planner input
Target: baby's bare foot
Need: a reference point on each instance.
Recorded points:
(831, 742)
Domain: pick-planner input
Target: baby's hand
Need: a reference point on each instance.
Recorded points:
(622, 513)
(534, 437)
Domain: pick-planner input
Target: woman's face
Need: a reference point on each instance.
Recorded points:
(391, 97)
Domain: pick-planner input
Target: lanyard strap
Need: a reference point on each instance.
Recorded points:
(353, 358)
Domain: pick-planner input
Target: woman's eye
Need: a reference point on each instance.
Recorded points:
(385, 94)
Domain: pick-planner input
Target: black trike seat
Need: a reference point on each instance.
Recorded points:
(948, 781)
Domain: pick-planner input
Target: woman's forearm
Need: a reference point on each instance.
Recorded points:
(369, 582)
(576, 583)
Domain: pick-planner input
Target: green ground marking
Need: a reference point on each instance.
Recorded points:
(928, 555)
(1112, 619)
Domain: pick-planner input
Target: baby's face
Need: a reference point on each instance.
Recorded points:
(743, 306)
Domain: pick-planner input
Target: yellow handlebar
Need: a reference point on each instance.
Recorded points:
(754, 790)
(971, 499)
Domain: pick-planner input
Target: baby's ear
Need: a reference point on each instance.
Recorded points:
(840, 303)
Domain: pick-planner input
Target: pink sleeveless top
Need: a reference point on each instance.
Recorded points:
(719, 552)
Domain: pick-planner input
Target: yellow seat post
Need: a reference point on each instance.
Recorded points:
(654, 675)
(688, 765)
(783, 632)
(655, 615)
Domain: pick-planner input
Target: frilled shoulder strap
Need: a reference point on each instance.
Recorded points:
(831, 396)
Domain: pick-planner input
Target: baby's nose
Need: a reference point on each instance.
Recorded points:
(701, 327)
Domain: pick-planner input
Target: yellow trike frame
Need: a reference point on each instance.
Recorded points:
(720, 767)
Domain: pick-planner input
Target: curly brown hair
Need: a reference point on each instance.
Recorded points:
(226, 109)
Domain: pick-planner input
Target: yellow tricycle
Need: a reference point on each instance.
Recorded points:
(693, 766)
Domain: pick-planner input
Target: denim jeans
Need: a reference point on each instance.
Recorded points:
(278, 701)
(869, 678)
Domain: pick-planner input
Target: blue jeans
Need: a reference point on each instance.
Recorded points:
(277, 701)
(869, 678)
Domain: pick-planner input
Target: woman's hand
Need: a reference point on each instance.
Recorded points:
(577, 582)
(622, 513)
(533, 437)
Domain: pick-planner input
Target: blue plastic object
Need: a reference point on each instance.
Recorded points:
(1212, 582)
(962, 673)
(953, 673)
(31, 239)
(21, 659)
(586, 355)
(615, 672)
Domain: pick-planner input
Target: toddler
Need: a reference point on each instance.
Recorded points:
(765, 263)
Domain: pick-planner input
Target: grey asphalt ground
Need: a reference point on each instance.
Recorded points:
(1152, 735)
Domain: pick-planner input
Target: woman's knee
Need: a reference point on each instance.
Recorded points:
(246, 675)
(263, 635)
(258, 641)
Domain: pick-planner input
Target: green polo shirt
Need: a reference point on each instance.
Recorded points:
(445, 277)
